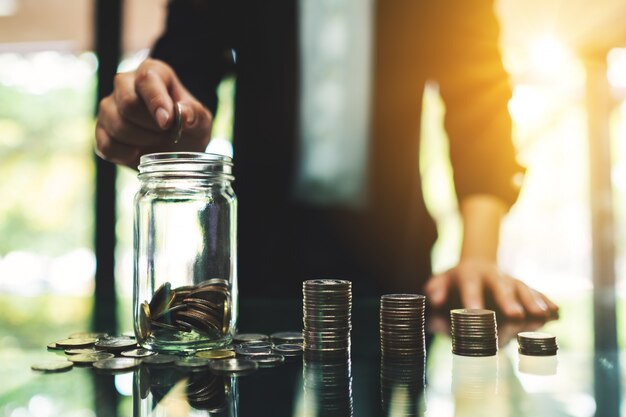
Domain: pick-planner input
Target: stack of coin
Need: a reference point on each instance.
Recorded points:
(402, 325)
(402, 383)
(537, 344)
(327, 309)
(327, 388)
(203, 308)
(474, 332)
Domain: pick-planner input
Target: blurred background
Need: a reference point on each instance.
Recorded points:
(567, 62)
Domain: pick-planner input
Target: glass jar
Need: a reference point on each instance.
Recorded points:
(185, 270)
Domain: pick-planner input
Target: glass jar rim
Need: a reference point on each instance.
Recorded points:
(186, 163)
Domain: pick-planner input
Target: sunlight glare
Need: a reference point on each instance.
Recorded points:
(550, 56)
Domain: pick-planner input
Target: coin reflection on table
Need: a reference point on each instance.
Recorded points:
(327, 388)
(402, 383)
(474, 377)
(172, 391)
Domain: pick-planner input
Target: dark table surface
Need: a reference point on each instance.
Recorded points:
(582, 380)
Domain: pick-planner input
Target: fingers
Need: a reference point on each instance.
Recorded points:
(533, 303)
(471, 289)
(437, 288)
(154, 83)
(129, 105)
(109, 149)
(504, 294)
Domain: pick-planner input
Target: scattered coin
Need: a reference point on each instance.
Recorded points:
(52, 366)
(257, 344)
(160, 359)
(287, 337)
(79, 351)
(192, 362)
(268, 361)
(250, 337)
(288, 349)
(85, 358)
(215, 354)
(76, 343)
(537, 344)
(116, 344)
(138, 353)
(117, 364)
(233, 366)
(53, 346)
(253, 351)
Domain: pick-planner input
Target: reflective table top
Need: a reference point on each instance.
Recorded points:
(579, 381)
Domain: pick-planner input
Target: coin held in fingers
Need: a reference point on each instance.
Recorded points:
(178, 126)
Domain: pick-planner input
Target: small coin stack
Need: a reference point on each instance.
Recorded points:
(474, 332)
(327, 388)
(402, 385)
(327, 310)
(203, 308)
(402, 325)
(537, 344)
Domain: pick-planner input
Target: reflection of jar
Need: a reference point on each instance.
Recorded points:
(185, 228)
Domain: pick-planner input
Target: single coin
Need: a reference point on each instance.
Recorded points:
(115, 344)
(85, 358)
(88, 335)
(287, 337)
(178, 112)
(216, 354)
(253, 351)
(288, 349)
(162, 298)
(233, 366)
(138, 353)
(144, 321)
(79, 351)
(117, 364)
(192, 362)
(268, 361)
(160, 359)
(250, 337)
(52, 366)
(77, 343)
(53, 346)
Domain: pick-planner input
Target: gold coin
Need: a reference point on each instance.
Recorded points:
(216, 354)
(77, 343)
(145, 329)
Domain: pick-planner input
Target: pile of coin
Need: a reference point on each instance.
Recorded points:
(537, 344)
(402, 325)
(327, 388)
(402, 383)
(474, 332)
(203, 308)
(327, 312)
(268, 351)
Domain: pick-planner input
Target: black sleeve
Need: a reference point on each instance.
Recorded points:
(197, 43)
(476, 91)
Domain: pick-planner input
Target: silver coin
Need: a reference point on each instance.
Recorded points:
(79, 351)
(52, 366)
(138, 353)
(117, 364)
(86, 358)
(76, 343)
(160, 359)
(178, 114)
(267, 361)
(233, 366)
(252, 351)
(115, 344)
(288, 349)
(250, 337)
(257, 344)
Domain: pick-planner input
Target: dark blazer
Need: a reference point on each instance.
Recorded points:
(386, 246)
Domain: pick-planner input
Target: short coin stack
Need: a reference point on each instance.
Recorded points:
(537, 344)
(402, 325)
(327, 309)
(474, 332)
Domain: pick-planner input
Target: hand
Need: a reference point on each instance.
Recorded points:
(137, 118)
(472, 277)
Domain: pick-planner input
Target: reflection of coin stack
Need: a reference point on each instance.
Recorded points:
(537, 344)
(402, 386)
(327, 388)
(327, 309)
(402, 325)
(474, 332)
(475, 378)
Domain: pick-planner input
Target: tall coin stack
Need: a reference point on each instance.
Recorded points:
(537, 344)
(402, 325)
(474, 332)
(327, 307)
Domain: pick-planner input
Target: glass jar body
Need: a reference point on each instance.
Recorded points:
(185, 276)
